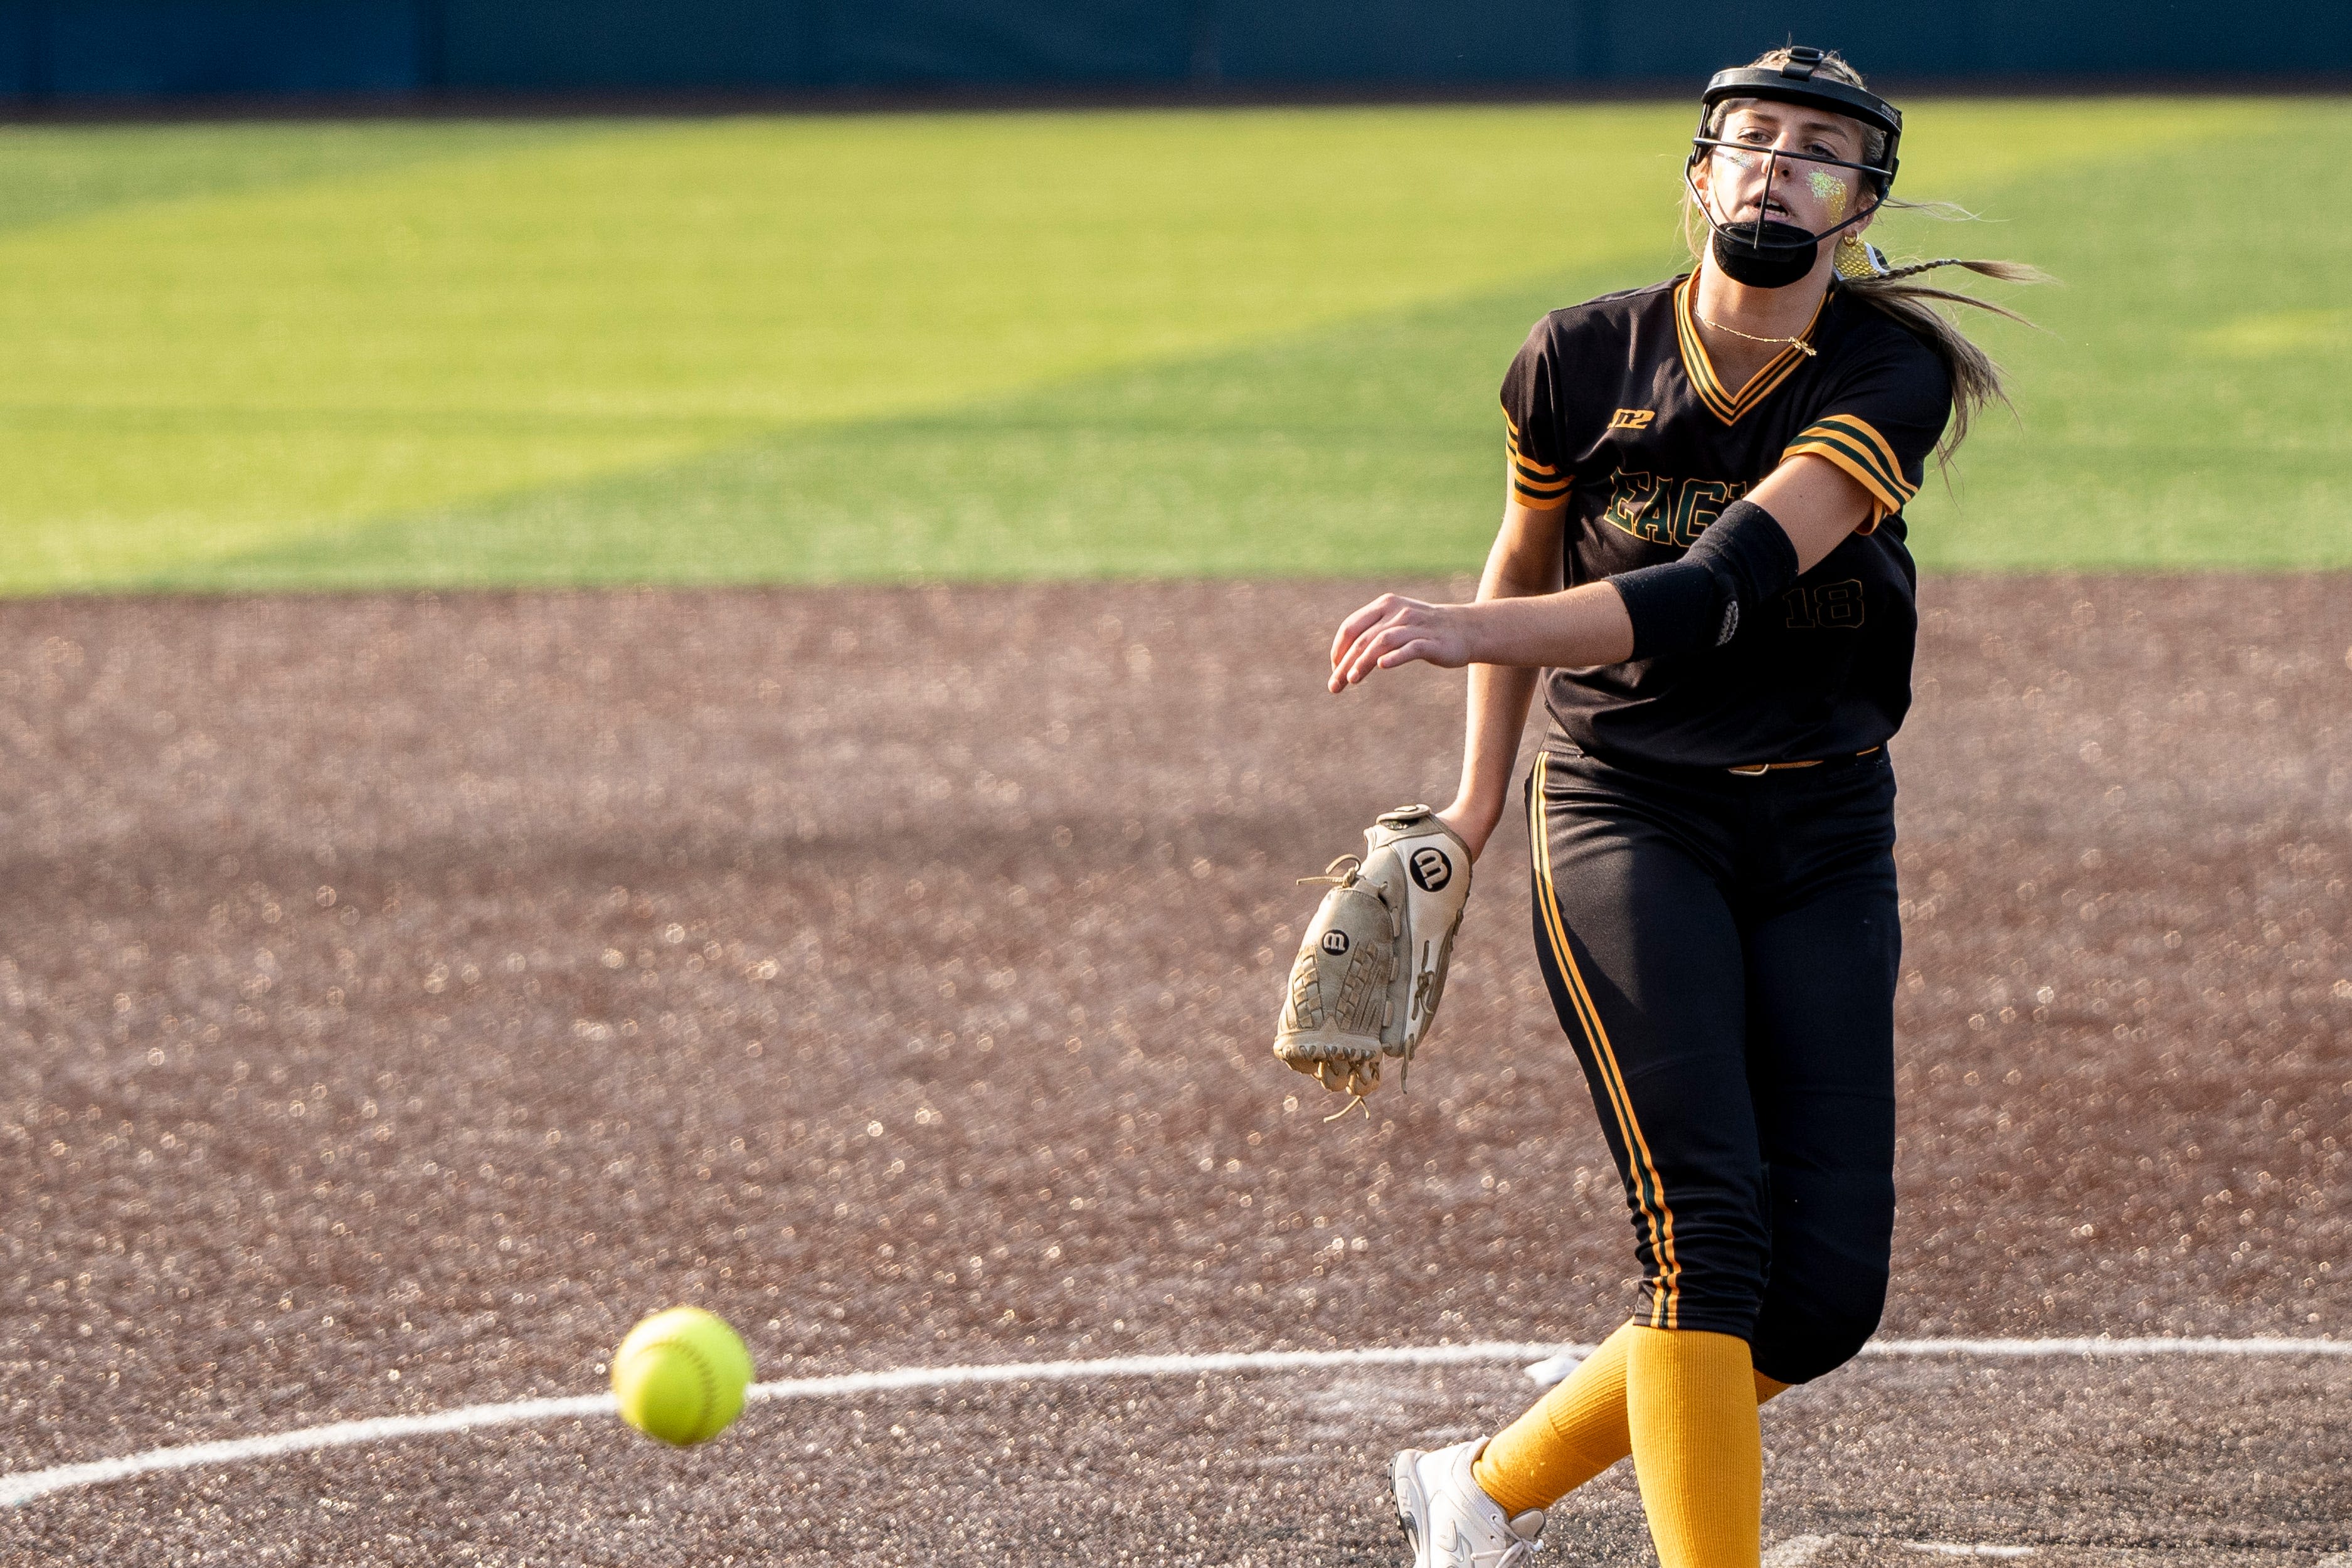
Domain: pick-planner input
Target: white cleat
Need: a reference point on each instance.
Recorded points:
(1451, 1523)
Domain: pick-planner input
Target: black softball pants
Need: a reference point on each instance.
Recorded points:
(1722, 951)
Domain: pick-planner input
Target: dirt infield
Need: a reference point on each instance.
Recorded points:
(398, 996)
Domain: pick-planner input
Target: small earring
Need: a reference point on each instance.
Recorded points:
(1857, 257)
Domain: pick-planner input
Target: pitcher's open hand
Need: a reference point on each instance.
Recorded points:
(1393, 630)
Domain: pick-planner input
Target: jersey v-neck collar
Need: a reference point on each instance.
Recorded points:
(1724, 404)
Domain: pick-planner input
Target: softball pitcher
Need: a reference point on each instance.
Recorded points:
(1701, 556)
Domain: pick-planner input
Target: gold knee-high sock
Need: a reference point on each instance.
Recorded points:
(1571, 1434)
(1690, 1410)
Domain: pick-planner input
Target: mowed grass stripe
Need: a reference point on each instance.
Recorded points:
(52, 175)
(706, 275)
(1374, 442)
(1379, 437)
(814, 350)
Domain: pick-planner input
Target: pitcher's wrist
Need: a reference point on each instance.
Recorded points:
(1475, 820)
(1478, 627)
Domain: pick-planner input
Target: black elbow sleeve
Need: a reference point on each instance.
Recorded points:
(1674, 605)
(1742, 560)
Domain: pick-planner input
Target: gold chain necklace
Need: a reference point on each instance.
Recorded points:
(1797, 342)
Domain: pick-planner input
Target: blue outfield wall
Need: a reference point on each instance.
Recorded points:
(82, 50)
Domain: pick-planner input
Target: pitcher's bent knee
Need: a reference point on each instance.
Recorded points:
(1801, 1353)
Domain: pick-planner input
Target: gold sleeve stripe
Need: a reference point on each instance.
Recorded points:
(1521, 461)
(1860, 429)
(1538, 478)
(1859, 449)
(1527, 464)
(1844, 456)
(1511, 441)
(1539, 486)
(1850, 454)
(1840, 449)
(1535, 500)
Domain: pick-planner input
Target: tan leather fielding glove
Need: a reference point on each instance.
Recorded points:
(1372, 967)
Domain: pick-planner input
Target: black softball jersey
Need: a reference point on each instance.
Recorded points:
(1615, 414)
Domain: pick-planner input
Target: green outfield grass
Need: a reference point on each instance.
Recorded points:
(1096, 343)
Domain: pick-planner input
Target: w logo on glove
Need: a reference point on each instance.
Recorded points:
(1372, 967)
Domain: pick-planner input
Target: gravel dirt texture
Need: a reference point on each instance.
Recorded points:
(399, 996)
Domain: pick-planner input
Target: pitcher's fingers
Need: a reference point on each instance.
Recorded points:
(1349, 630)
(1354, 626)
(1345, 674)
(1419, 647)
(1372, 652)
(1365, 657)
(1344, 668)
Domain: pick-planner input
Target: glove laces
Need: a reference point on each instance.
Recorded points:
(1332, 876)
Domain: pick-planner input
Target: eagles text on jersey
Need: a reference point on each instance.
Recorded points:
(1614, 415)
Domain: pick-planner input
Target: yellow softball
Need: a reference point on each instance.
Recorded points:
(680, 1375)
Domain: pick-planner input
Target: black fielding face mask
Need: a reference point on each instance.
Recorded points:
(1778, 256)
(1770, 253)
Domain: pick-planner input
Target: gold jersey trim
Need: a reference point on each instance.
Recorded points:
(1724, 405)
(1850, 443)
(1539, 486)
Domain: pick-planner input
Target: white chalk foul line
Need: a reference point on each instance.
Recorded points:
(26, 1486)
(30, 1484)
(2103, 1346)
